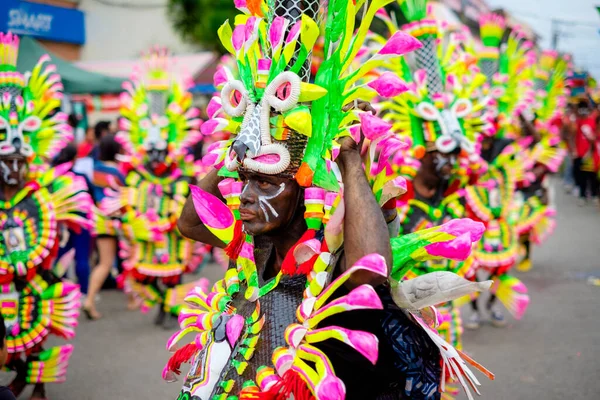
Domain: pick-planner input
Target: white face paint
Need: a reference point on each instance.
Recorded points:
(441, 161)
(8, 167)
(263, 202)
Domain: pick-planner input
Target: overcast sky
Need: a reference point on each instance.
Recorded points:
(582, 40)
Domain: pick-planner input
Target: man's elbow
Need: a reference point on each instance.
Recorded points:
(184, 229)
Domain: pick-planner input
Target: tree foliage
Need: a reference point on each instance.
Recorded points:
(197, 21)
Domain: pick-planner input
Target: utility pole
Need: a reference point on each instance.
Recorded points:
(555, 33)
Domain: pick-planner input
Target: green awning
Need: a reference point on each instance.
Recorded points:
(75, 80)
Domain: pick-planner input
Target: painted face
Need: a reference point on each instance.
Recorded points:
(267, 202)
(440, 164)
(12, 170)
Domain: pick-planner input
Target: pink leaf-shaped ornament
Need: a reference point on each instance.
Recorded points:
(294, 32)
(373, 127)
(241, 5)
(388, 85)
(400, 43)
(221, 76)
(277, 31)
(456, 249)
(211, 211)
(213, 125)
(238, 37)
(214, 107)
(458, 227)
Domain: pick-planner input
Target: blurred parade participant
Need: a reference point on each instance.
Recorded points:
(36, 200)
(79, 238)
(587, 159)
(491, 199)
(306, 309)
(534, 211)
(106, 175)
(157, 129)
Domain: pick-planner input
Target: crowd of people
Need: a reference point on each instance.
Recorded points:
(359, 187)
(581, 134)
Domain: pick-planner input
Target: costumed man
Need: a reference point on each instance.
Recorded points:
(305, 310)
(35, 201)
(491, 199)
(158, 127)
(534, 213)
(441, 116)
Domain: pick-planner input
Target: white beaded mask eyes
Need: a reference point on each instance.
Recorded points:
(234, 98)
(254, 138)
(283, 92)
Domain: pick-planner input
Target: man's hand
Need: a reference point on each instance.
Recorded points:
(361, 105)
(348, 144)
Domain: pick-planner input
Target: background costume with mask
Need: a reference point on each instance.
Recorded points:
(442, 115)
(158, 128)
(491, 200)
(534, 212)
(266, 339)
(35, 302)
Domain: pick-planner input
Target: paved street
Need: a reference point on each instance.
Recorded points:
(553, 354)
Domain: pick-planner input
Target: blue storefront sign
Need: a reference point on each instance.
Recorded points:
(42, 21)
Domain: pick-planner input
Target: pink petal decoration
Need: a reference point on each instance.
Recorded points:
(294, 32)
(214, 106)
(211, 211)
(355, 132)
(420, 77)
(372, 262)
(400, 43)
(400, 182)
(330, 388)
(458, 227)
(456, 249)
(362, 298)
(373, 127)
(213, 125)
(234, 328)
(388, 85)
(221, 76)
(276, 31)
(241, 5)
(225, 186)
(238, 37)
(307, 250)
(250, 24)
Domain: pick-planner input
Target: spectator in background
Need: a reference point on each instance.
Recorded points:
(79, 239)
(567, 128)
(106, 174)
(89, 147)
(586, 157)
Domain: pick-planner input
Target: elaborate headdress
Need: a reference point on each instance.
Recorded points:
(282, 123)
(30, 125)
(443, 110)
(157, 113)
(550, 74)
(507, 67)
